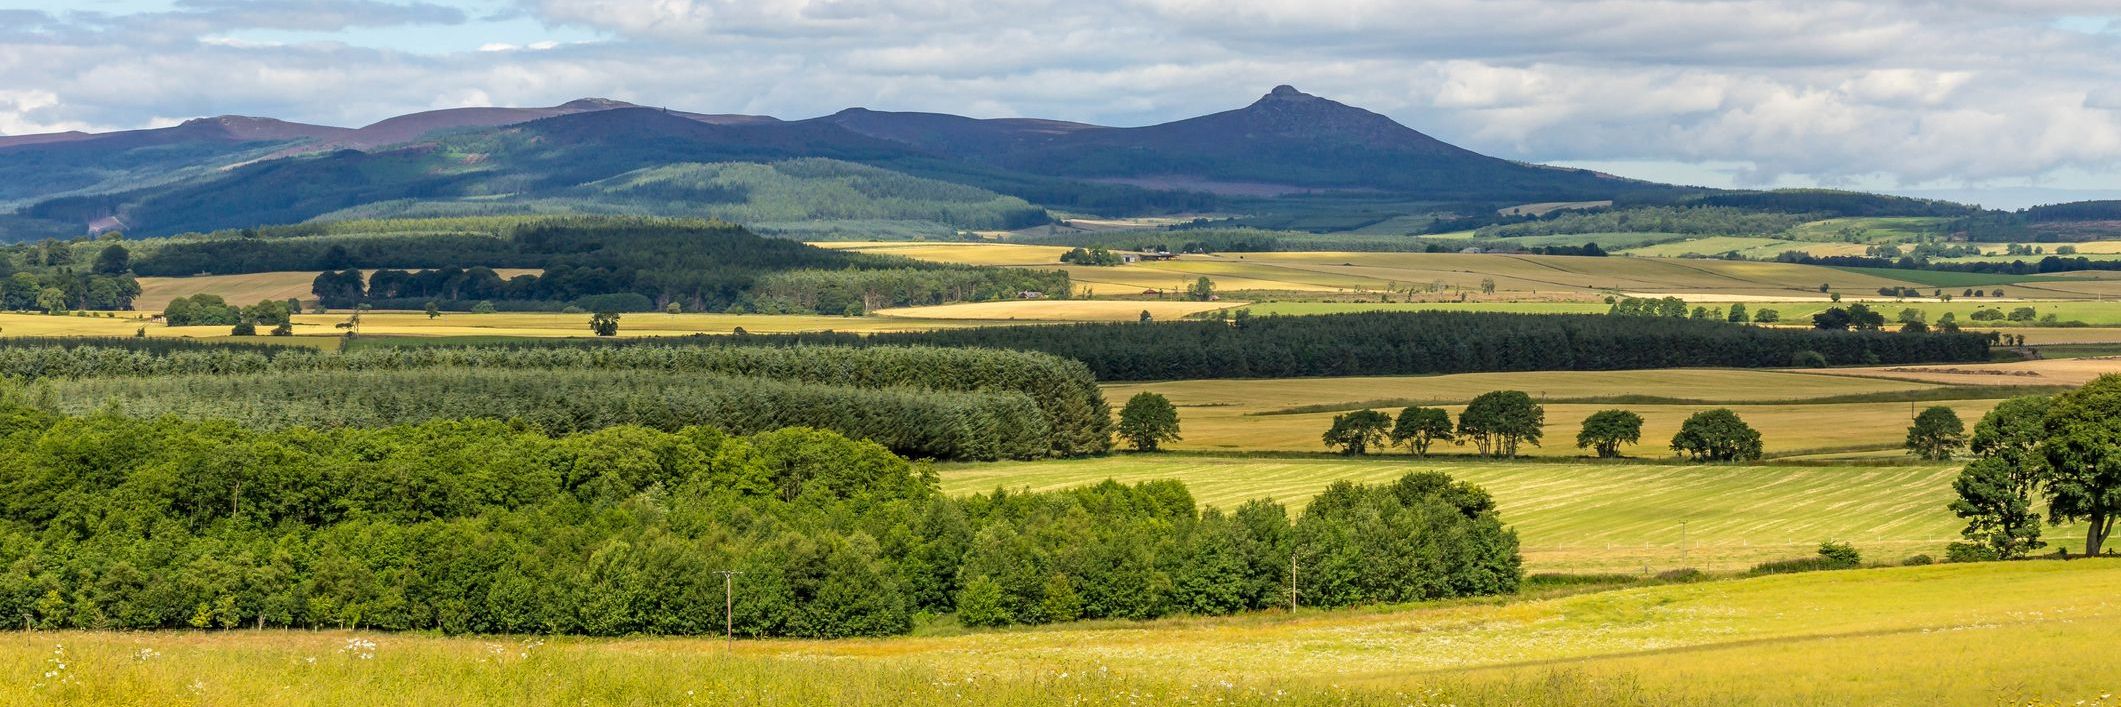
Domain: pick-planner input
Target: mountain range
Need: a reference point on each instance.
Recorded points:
(1287, 150)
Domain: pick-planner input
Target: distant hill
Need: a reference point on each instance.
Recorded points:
(1287, 160)
(42, 166)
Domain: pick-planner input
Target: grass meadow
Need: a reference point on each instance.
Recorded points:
(1797, 412)
(2020, 633)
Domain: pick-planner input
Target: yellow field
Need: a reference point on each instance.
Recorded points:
(1233, 415)
(312, 327)
(542, 324)
(156, 292)
(2060, 371)
(1995, 633)
(1060, 310)
(1340, 272)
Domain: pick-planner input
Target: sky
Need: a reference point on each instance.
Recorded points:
(2006, 102)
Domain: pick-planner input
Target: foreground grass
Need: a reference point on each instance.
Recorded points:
(1585, 517)
(1959, 634)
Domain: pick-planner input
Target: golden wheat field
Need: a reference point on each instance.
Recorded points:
(2027, 632)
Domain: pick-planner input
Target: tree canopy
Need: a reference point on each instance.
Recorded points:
(1147, 421)
(1717, 436)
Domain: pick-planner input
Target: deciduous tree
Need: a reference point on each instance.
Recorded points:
(1419, 427)
(1499, 421)
(1604, 431)
(1936, 434)
(1717, 435)
(1147, 421)
(1356, 432)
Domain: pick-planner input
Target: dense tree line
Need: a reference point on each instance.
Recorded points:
(1705, 220)
(1075, 412)
(235, 254)
(1833, 202)
(917, 423)
(2049, 264)
(701, 266)
(115, 523)
(1408, 343)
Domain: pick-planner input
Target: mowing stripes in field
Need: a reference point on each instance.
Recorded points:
(1584, 516)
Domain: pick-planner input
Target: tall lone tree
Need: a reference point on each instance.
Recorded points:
(1148, 421)
(1419, 427)
(1604, 431)
(1996, 489)
(2083, 449)
(1717, 436)
(1936, 434)
(1498, 421)
(1356, 432)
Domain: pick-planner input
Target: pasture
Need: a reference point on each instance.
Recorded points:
(2028, 632)
(1795, 412)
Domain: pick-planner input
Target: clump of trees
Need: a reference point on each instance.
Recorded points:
(1095, 255)
(1499, 422)
(2063, 451)
(616, 264)
(1717, 436)
(1147, 421)
(620, 532)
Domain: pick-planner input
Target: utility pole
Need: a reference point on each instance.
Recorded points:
(1682, 541)
(1292, 581)
(728, 605)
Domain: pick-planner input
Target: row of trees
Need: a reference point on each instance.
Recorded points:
(1676, 308)
(1077, 419)
(646, 265)
(482, 527)
(1405, 343)
(1498, 423)
(2063, 452)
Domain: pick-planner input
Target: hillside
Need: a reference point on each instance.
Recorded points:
(506, 160)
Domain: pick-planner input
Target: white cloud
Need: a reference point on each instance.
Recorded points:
(1829, 91)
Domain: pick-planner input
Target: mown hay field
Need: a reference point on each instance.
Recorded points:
(1322, 272)
(1079, 310)
(1795, 412)
(1587, 516)
(2030, 632)
(498, 324)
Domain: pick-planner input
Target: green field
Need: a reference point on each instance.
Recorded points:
(1891, 229)
(1585, 517)
(2017, 633)
(1797, 413)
